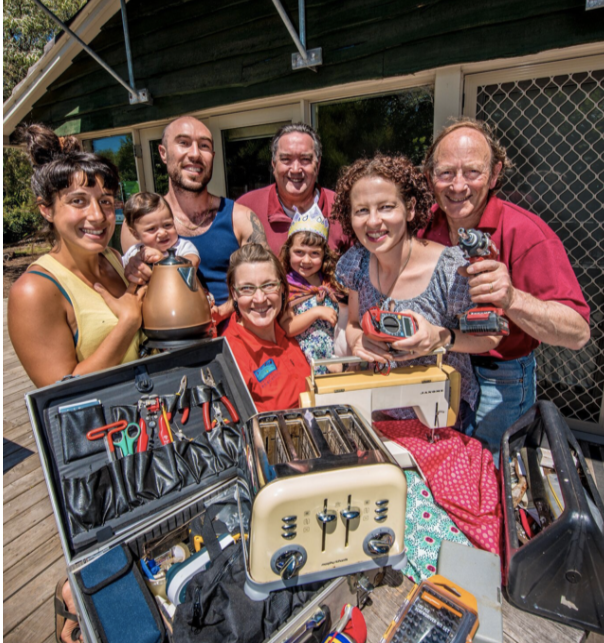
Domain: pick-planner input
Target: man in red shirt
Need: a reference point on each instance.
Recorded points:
(533, 281)
(296, 154)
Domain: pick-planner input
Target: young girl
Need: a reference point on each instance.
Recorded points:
(315, 295)
(150, 219)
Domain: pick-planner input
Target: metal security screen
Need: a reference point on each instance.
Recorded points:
(553, 129)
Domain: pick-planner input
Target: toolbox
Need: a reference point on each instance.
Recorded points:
(554, 549)
(155, 488)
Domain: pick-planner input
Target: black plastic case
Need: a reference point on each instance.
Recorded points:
(559, 573)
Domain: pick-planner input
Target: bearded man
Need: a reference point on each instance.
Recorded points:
(215, 225)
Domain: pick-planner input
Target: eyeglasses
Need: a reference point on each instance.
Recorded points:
(269, 288)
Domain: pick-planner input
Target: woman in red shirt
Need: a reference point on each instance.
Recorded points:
(273, 366)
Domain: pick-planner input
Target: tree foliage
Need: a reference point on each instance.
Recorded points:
(27, 30)
(399, 123)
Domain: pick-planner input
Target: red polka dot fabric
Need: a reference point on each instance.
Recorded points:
(461, 476)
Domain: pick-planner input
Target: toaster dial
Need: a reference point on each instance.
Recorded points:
(379, 542)
(288, 560)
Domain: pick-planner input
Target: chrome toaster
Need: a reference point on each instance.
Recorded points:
(328, 499)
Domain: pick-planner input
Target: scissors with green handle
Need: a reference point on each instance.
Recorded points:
(128, 438)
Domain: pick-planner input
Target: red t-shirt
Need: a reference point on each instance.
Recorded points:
(535, 257)
(265, 203)
(275, 374)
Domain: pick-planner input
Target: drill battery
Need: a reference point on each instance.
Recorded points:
(484, 320)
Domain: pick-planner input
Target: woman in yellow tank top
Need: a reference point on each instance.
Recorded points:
(73, 311)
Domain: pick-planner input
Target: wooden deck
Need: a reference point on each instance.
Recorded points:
(33, 559)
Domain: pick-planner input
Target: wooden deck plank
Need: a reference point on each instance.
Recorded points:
(22, 503)
(31, 596)
(31, 566)
(518, 625)
(28, 541)
(22, 469)
(23, 484)
(37, 627)
(25, 521)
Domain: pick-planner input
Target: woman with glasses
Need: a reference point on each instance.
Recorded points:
(273, 365)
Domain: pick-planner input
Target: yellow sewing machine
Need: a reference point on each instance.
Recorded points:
(433, 391)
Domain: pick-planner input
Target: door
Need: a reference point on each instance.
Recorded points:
(241, 144)
(550, 117)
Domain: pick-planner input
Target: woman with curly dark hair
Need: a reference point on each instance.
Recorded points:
(383, 202)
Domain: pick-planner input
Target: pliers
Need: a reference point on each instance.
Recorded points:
(218, 392)
(180, 402)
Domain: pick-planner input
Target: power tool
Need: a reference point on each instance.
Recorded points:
(483, 319)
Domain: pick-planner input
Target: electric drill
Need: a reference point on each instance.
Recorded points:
(483, 319)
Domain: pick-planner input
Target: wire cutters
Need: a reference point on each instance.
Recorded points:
(127, 439)
(220, 393)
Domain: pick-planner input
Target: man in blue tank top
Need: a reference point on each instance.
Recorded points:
(215, 225)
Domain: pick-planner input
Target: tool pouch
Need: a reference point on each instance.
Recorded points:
(129, 482)
(106, 584)
(128, 412)
(74, 426)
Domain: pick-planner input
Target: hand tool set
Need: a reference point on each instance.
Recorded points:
(145, 465)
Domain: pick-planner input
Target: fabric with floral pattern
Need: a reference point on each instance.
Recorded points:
(317, 340)
(426, 526)
(461, 476)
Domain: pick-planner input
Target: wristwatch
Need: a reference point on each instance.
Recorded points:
(451, 341)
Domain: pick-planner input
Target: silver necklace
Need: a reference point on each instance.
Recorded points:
(400, 272)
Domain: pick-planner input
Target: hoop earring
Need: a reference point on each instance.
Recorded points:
(236, 307)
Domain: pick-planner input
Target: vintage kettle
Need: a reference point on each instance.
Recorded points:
(175, 306)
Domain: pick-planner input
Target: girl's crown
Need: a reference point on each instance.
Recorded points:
(311, 221)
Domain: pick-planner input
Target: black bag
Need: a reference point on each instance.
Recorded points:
(217, 610)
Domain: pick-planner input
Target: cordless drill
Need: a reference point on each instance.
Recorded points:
(483, 319)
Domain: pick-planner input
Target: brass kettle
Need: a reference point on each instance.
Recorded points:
(175, 306)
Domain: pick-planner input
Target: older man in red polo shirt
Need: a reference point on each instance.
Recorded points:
(296, 159)
(533, 281)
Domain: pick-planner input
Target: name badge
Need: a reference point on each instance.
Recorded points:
(265, 370)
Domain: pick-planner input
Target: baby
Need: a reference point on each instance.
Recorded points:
(150, 220)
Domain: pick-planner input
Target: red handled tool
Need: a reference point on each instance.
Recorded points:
(105, 433)
(165, 434)
(218, 392)
(483, 319)
(387, 326)
(181, 401)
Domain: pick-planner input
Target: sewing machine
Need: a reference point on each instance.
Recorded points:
(433, 392)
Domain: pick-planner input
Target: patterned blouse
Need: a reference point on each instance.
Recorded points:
(446, 296)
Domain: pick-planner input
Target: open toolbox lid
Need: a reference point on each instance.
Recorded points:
(209, 458)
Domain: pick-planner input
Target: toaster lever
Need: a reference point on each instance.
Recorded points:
(381, 545)
(289, 563)
(326, 516)
(350, 514)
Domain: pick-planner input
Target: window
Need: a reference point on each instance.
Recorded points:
(247, 157)
(118, 149)
(398, 123)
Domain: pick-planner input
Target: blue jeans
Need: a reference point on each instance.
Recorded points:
(508, 389)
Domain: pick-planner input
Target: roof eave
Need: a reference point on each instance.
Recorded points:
(55, 60)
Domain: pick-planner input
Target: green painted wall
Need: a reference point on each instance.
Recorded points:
(195, 54)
